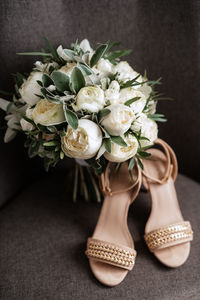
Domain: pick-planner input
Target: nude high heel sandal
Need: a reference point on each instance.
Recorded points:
(111, 250)
(167, 235)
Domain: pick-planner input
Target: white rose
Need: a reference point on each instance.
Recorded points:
(26, 126)
(112, 93)
(30, 88)
(67, 69)
(104, 66)
(148, 127)
(119, 120)
(114, 85)
(126, 72)
(119, 153)
(129, 93)
(84, 142)
(90, 98)
(48, 113)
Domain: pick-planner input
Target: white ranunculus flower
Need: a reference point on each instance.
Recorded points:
(119, 153)
(84, 142)
(67, 69)
(114, 85)
(48, 113)
(85, 46)
(90, 98)
(148, 127)
(112, 93)
(129, 93)
(26, 126)
(103, 68)
(30, 88)
(119, 120)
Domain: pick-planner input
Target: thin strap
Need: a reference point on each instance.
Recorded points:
(110, 253)
(171, 165)
(105, 182)
(169, 235)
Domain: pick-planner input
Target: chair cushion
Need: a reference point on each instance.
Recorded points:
(43, 237)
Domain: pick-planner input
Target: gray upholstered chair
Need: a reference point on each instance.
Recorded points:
(42, 233)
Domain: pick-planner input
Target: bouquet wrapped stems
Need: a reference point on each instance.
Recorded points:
(85, 184)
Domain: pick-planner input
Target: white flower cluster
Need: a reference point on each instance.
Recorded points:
(111, 108)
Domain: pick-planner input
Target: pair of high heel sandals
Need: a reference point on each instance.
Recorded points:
(111, 249)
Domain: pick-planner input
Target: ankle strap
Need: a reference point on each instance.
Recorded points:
(105, 182)
(171, 165)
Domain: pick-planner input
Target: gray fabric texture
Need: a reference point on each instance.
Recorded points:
(43, 237)
(164, 36)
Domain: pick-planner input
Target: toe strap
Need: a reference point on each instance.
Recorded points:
(110, 253)
(170, 235)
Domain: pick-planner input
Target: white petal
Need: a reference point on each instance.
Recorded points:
(9, 135)
(4, 104)
(85, 46)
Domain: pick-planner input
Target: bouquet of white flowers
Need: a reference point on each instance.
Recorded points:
(85, 104)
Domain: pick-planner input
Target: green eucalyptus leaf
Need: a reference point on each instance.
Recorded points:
(140, 163)
(35, 54)
(118, 140)
(131, 164)
(71, 118)
(100, 51)
(77, 79)
(144, 154)
(51, 48)
(107, 144)
(62, 155)
(112, 44)
(103, 113)
(85, 69)
(70, 53)
(40, 83)
(51, 143)
(46, 80)
(132, 100)
(157, 117)
(112, 56)
(61, 81)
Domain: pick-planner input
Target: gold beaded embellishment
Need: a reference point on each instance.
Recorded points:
(111, 254)
(169, 234)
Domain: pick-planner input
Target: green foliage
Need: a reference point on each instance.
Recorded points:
(77, 80)
(118, 140)
(107, 144)
(71, 118)
(129, 102)
(157, 117)
(61, 81)
(99, 53)
(103, 113)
